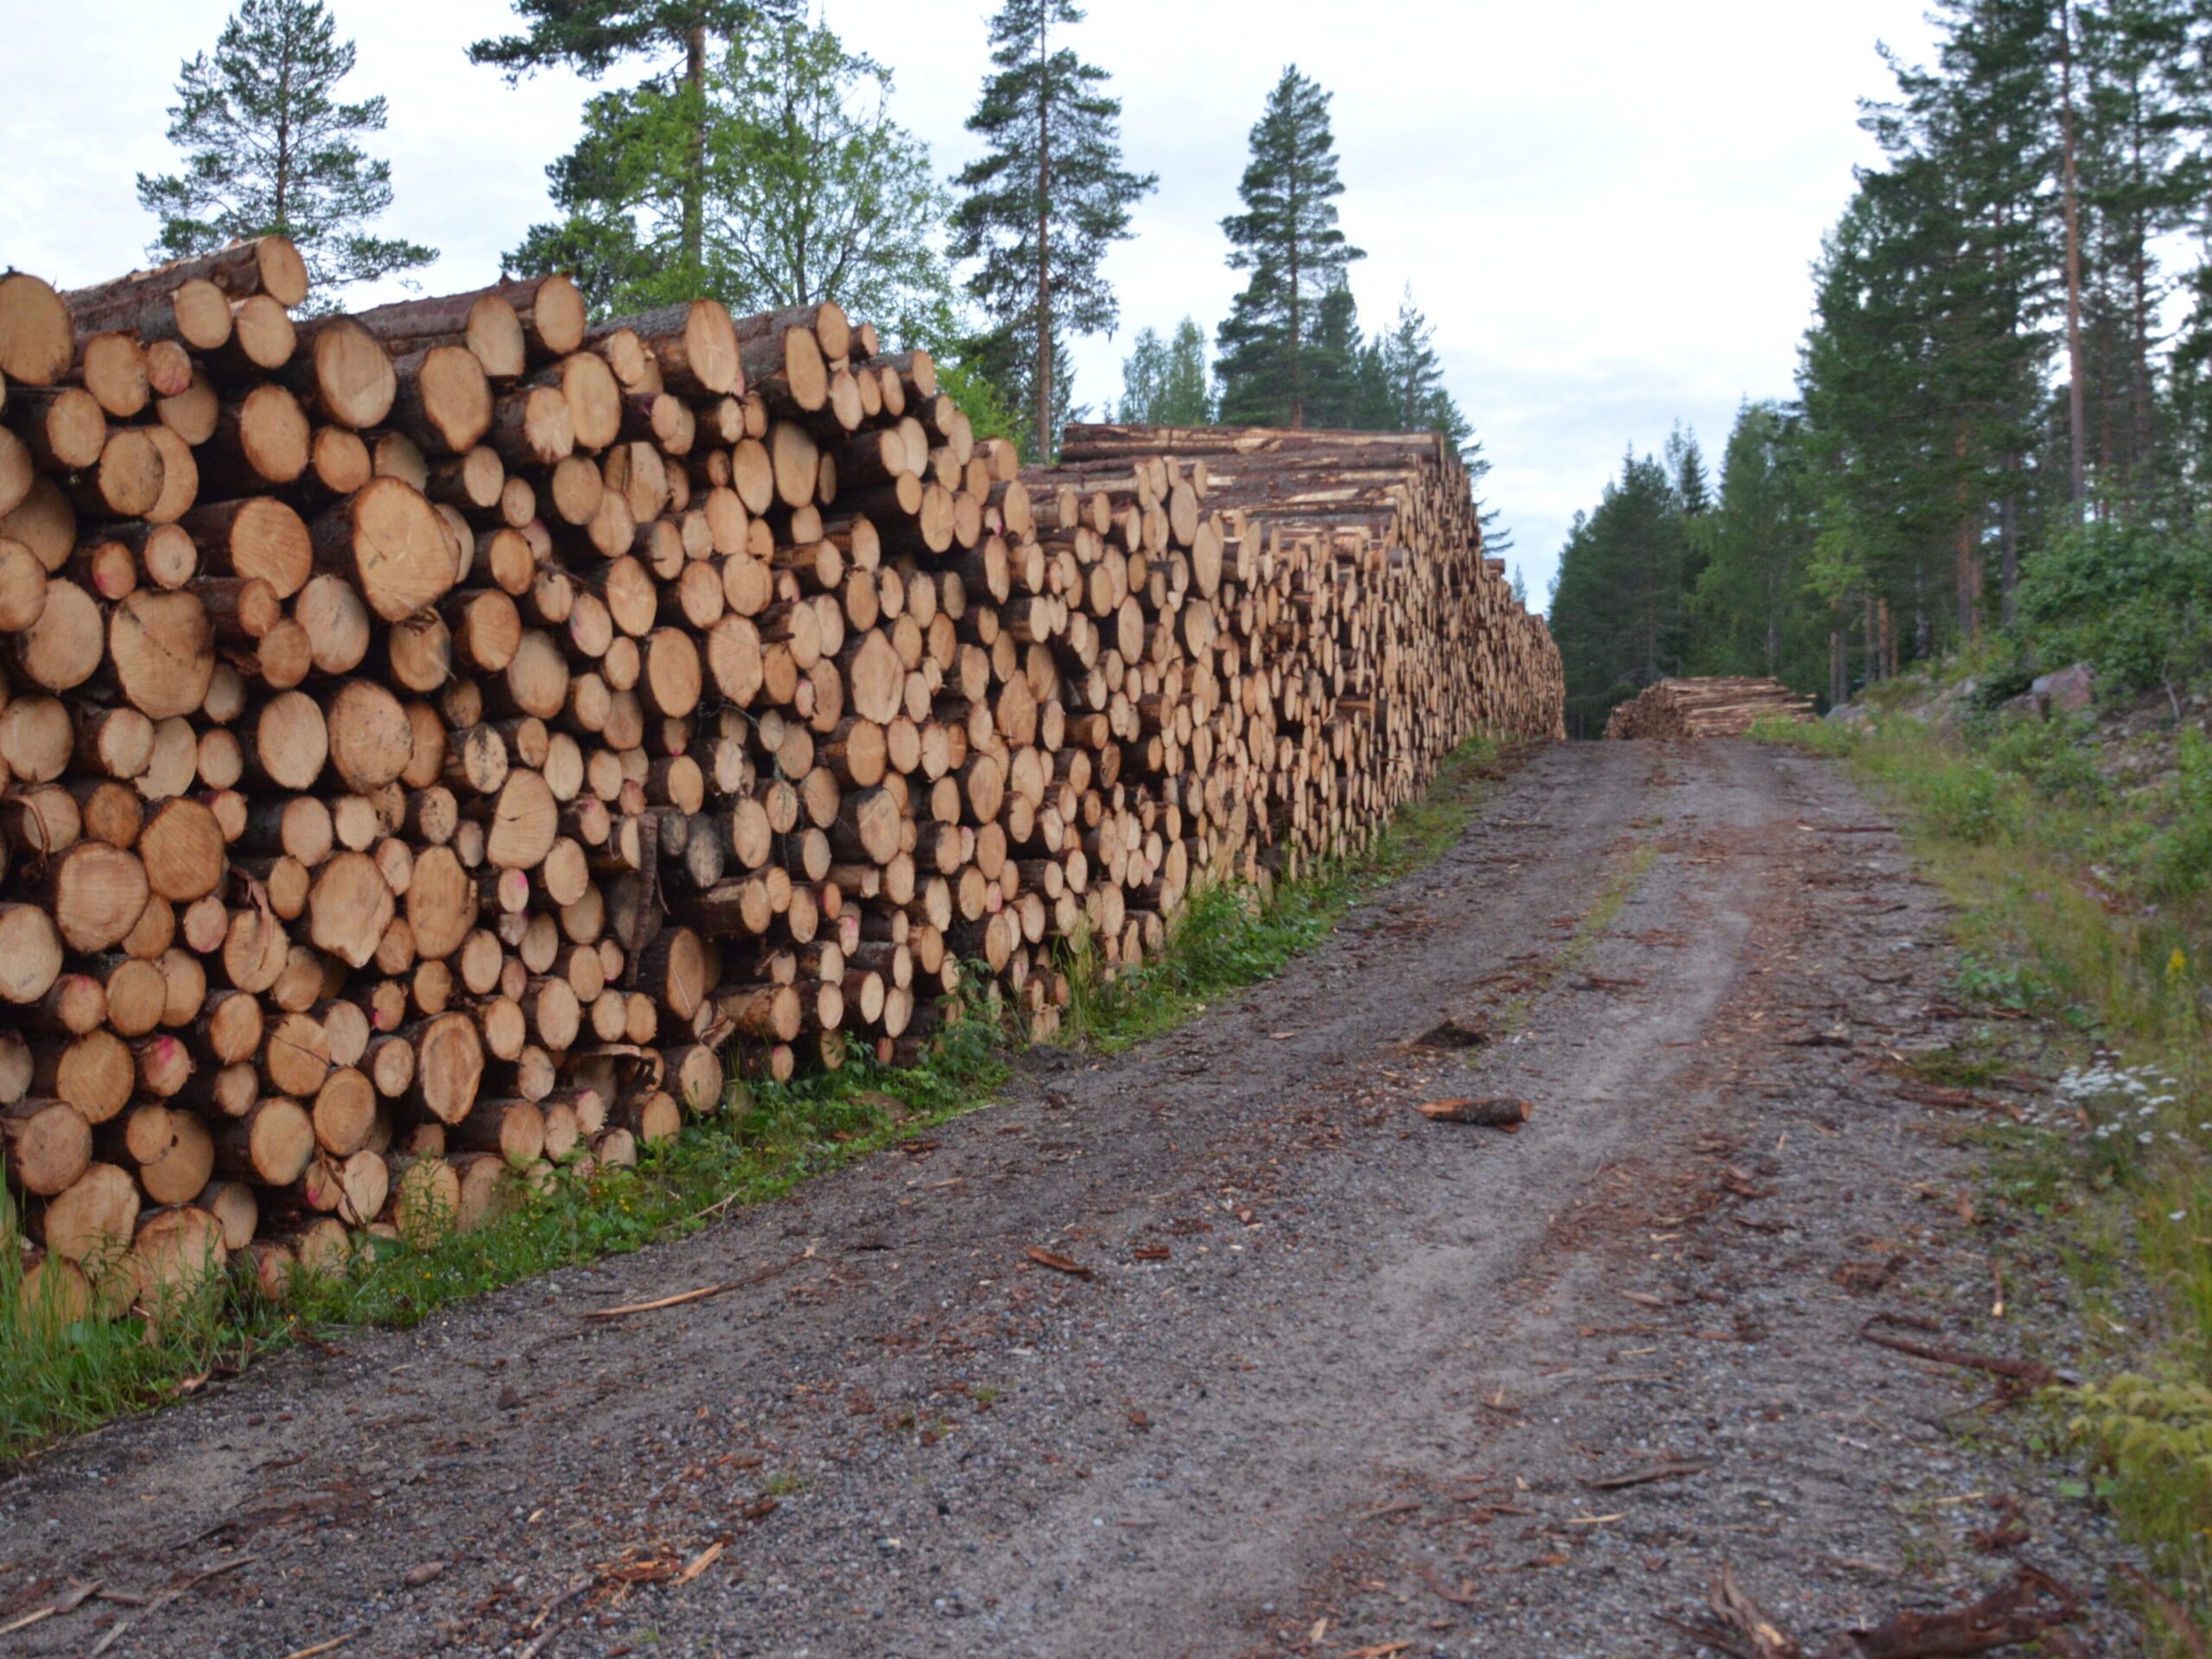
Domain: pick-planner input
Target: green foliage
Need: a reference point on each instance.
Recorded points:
(670, 113)
(1275, 355)
(268, 151)
(2055, 757)
(2177, 860)
(959, 377)
(2152, 1435)
(1167, 382)
(1041, 205)
(2129, 600)
(806, 188)
(1230, 936)
(1407, 379)
(1749, 607)
(58, 1377)
(1619, 607)
(591, 36)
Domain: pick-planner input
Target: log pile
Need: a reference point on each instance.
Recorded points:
(1357, 629)
(439, 744)
(1721, 707)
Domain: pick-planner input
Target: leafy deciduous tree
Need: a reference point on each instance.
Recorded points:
(811, 192)
(1166, 382)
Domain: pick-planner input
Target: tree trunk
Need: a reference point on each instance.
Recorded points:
(2076, 420)
(1043, 249)
(694, 166)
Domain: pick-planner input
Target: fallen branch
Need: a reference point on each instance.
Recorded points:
(2025, 1610)
(2027, 1370)
(1045, 1258)
(1427, 1575)
(1492, 1112)
(1642, 1476)
(702, 1292)
(1388, 1509)
(2012, 1613)
(1738, 1625)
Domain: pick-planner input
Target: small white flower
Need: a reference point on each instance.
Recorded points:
(2177, 1215)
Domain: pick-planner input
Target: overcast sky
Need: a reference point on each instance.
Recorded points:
(1607, 207)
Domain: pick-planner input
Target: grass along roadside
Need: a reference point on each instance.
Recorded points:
(61, 1376)
(2088, 907)
(1230, 937)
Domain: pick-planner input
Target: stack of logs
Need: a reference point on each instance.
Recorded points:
(1362, 634)
(1721, 706)
(440, 744)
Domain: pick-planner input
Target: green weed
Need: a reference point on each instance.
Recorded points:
(2087, 905)
(61, 1376)
(1231, 936)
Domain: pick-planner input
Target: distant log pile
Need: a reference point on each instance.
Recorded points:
(1356, 630)
(437, 745)
(1708, 708)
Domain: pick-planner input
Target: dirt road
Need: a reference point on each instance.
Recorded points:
(1333, 1378)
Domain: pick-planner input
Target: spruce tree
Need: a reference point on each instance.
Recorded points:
(1287, 238)
(591, 36)
(1414, 375)
(270, 150)
(1344, 388)
(1042, 203)
(1186, 391)
(1750, 603)
(1619, 606)
(1686, 463)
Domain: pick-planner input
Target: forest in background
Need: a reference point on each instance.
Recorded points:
(2002, 433)
(750, 156)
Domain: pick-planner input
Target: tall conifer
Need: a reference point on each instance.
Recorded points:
(270, 150)
(1287, 238)
(1042, 203)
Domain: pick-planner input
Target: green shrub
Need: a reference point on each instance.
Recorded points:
(2055, 756)
(2178, 858)
(2154, 1437)
(2128, 600)
(1972, 802)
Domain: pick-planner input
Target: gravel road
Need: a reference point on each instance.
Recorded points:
(1332, 1378)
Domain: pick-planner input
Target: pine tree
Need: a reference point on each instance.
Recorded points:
(1043, 204)
(1165, 382)
(268, 151)
(811, 191)
(1288, 238)
(591, 36)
